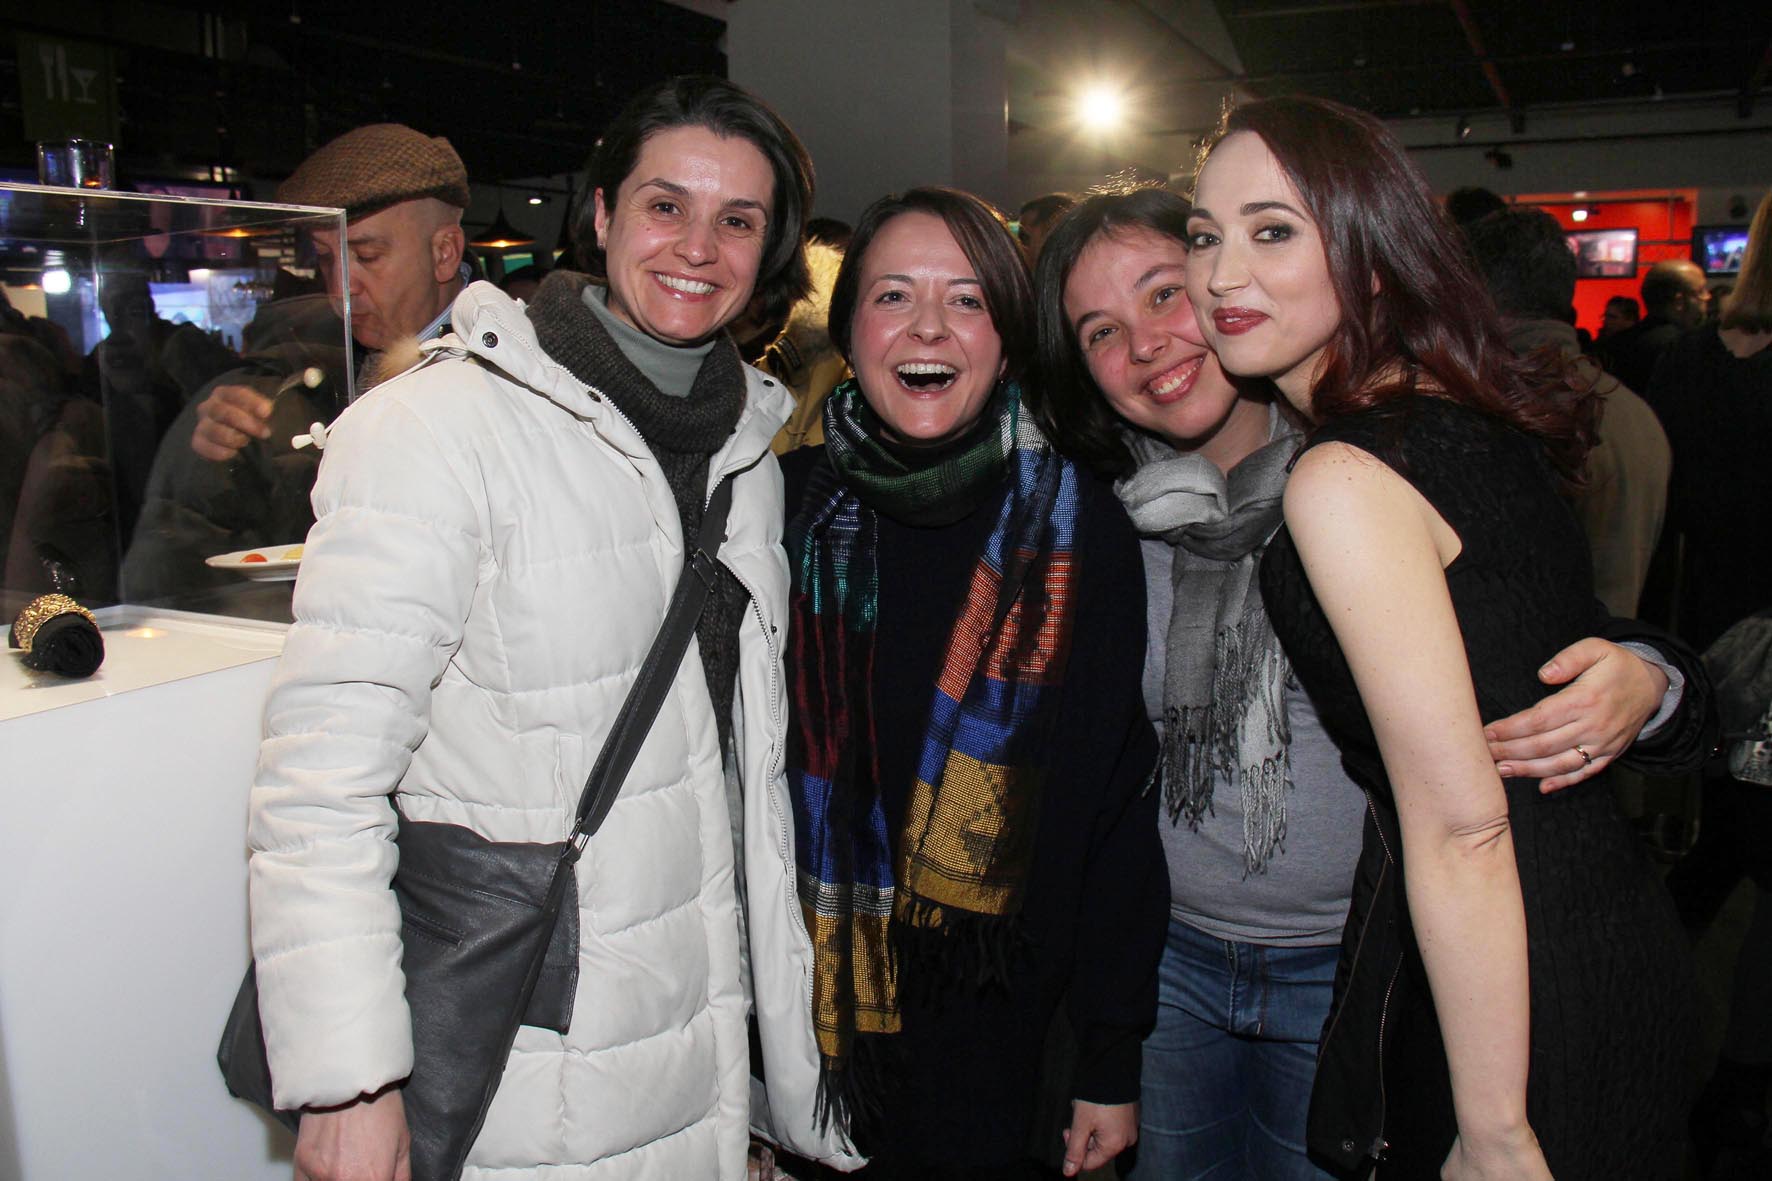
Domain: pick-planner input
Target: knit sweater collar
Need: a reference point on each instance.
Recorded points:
(573, 335)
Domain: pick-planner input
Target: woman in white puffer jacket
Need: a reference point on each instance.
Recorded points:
(498, 533)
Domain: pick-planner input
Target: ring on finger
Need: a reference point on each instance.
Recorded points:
(1587, 760)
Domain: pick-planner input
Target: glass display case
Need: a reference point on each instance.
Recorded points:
(122, 834)
(124, 315)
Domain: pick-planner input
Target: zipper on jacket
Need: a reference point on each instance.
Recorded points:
(1378, 1141)
(774, 766)
(1384, 1009)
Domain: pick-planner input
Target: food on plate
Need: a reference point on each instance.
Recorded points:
(292, 554)
(254, 556)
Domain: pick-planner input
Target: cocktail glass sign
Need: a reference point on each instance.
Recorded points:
(68, 89)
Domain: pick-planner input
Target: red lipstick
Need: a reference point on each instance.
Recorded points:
(1236, 321)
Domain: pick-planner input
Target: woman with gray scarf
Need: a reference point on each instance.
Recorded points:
(1262, 826)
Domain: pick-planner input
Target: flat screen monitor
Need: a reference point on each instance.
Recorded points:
(1718, 249)
(1604, 254)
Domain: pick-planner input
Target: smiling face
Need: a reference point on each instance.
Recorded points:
(1127, 308)
(684, 236)
(1257, 272)
(922, 342)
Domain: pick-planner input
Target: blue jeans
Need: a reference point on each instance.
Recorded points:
(1228, 1069)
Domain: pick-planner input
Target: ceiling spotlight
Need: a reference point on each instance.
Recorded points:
(1579, 215)
(537, 199)
(1463, 130)
(1101, 108)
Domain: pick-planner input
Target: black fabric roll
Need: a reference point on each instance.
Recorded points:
(68, 645)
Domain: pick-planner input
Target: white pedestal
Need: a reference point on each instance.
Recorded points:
(123, 905)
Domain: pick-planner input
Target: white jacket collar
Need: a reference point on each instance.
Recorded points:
(490, 325)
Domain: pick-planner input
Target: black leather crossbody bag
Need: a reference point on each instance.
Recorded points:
(490, 928)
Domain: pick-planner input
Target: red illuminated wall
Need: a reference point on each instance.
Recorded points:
(1664, 230)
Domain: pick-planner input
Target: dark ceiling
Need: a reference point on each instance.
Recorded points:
(519, 87)
(1402, 57)
(522, 87)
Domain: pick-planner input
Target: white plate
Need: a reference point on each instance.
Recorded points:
(274, 568)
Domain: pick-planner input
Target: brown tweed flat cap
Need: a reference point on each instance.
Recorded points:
(368, 169)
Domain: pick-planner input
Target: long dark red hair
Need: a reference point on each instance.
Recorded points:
(1430, 326)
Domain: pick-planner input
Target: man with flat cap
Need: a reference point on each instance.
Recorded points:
(226, 476)
(403, 193)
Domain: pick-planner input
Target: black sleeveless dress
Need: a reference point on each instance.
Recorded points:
(1611, 984)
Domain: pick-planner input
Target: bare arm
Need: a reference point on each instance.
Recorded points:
(1376, 554)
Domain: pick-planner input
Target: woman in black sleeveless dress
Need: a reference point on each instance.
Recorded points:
(1513, 999)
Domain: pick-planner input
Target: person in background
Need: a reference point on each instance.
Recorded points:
(143, 372)
(1675, 300)
(1715, 386)
(1471, 204)
(968, 757)
(227, 476)
(403, 194)
(1262, 826)
(523, 282)
(1621, 312)
(1038, 218)
(58, 528)
(802, 355)
(1524, 261)
(828, 231)
(1514, 998)
(1718, 295)
(498, 533)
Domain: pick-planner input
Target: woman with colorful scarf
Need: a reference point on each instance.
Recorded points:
(968, 757)
(1262, 826)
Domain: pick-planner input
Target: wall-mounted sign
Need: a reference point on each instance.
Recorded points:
(68, 88)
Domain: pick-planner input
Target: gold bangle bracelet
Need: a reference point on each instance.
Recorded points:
(40, 611)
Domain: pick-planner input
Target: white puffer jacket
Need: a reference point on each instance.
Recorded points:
(493, 552)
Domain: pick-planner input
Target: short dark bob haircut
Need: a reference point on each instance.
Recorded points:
(1415, 318)
(983, 236)
(699, 100)
(1068, 406)
(1526, 262)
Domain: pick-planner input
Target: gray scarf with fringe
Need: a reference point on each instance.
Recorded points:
(1224, 708)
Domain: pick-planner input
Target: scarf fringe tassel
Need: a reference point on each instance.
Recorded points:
(1204, 743)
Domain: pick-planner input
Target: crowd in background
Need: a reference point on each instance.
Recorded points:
(1102, 744)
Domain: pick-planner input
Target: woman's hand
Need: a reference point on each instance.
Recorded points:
(1507, 1157)
(365, 1140)
(1098, 1133)
(1610, 692)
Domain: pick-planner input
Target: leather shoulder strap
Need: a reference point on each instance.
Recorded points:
(643, 701)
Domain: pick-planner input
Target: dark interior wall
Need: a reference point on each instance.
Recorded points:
(521, 88)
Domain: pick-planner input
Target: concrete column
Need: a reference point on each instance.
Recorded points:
(978, 40)
(869, 87)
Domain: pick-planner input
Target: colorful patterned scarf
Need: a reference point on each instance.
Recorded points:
(963, 856)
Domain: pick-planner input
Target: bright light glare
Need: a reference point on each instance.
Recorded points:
(56, 282)
(1101, 108)
(1579, 215)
